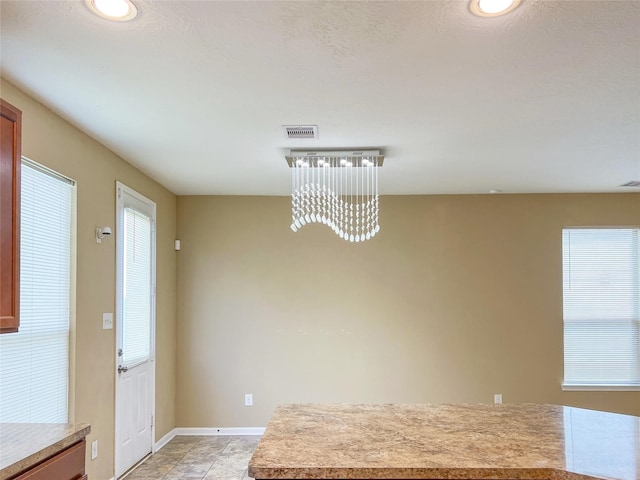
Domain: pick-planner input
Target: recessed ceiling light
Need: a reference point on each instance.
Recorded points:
(492, 8)
(118, 10)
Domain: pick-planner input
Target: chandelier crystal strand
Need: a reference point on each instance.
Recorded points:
(305, 169)
(367, 218)
(345, 206)
(371, 199)
(294, 201)
(333, 196)
(363, 187)
(342, 220)
(343, 212)
(365, 201)
(336, 203)
(369, 206)
(361, 203)
(322, 203)
(325, 193)
(352, 203)
(376, 208)
(312, 191)
(331, 192)
(358, 198)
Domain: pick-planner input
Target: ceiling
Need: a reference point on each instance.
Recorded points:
(195, 93)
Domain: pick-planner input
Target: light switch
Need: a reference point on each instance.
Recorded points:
(107, 321)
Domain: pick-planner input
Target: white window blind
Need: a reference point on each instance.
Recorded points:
(34, 363)
(601, 292)
(136, 286)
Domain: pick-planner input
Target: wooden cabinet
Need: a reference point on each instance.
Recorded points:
(66, 465)
(10, 158)
(43, 451)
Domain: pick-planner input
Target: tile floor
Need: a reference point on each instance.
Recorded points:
(199, 458)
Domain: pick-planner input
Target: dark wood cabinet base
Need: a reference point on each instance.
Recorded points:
(66, 465)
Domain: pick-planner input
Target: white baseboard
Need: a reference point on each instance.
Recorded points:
(164, 440)
(206, 432)
(220, 431)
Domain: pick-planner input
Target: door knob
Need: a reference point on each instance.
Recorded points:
(122, 369)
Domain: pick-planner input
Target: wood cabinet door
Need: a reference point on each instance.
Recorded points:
(10, 158)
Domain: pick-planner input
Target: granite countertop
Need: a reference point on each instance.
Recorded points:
(457, 441)
(23, 445)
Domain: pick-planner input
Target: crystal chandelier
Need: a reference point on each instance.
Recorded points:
(338, 189)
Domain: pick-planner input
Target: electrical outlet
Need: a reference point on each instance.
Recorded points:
(248, 399)
(94, 449)
(497, 398)
(107, 321)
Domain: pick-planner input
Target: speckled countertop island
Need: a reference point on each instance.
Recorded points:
(23, 445)
(457, 441)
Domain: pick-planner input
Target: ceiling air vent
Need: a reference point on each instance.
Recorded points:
(632, 183)
(300, 131)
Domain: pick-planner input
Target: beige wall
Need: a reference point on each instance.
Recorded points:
(458, 298)
(51, 141)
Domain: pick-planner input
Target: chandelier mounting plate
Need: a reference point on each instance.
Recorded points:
(335, 158)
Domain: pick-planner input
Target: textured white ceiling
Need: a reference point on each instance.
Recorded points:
(194, 93)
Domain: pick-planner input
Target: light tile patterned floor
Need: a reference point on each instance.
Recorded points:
(199, 458)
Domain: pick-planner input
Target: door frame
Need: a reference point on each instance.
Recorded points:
(121, 187)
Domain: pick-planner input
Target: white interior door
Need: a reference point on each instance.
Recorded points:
(135, 327)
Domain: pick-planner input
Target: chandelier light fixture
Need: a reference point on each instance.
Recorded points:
(338, 189)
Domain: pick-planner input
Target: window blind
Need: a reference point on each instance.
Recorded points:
(601, 293)
(136, 286)
(34, 363)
